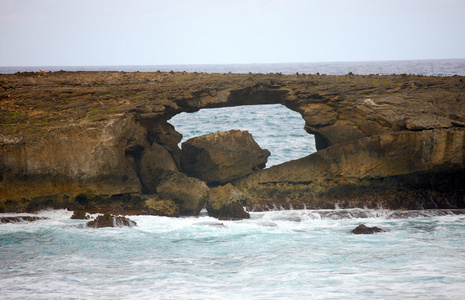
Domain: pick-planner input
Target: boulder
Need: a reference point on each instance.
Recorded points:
(189, 193)
(225, 203)
(159, 207)
(220, 157)
(108, 220)
(362, 229)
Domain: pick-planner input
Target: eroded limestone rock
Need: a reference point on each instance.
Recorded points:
(189, 193)
(79, 215)
(398, 170)
(226, 203)
(394, 141)
(108, 220)
(222, 156)
(19, 219)
(363, 229)
(158, 207)
(155, 163)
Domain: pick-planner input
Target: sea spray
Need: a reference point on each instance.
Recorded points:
(277, 254)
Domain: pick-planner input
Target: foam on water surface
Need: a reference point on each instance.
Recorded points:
(273, 255)
(298, 254)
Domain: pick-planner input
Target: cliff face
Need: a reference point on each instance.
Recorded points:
(402, 170)
(100, 138)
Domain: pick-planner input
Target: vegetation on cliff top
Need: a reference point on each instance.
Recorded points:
(31, 105)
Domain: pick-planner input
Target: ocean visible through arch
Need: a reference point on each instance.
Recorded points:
(280, 254)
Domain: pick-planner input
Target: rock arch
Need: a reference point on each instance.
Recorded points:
(375, 134)
(274, 127)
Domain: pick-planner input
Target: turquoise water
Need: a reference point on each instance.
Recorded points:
(273, 127)
(297, 254)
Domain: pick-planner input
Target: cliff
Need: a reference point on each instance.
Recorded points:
(100, 140)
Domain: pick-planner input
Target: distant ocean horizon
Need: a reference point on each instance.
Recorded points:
(429, 67)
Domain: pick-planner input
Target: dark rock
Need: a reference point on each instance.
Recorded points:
(222, 156)
(226, 203)
(79, 215)
(362, 229)
(19, 219)
(189, 193)
(108, 220)
(155, 163)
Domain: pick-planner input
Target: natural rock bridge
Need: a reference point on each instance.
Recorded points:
(101, 141)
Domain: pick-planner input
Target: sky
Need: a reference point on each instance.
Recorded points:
(164, 32)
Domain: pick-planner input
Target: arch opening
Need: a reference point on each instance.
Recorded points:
(273, 126)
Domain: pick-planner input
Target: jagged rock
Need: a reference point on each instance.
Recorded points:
(108, 220)
(79, 215)
(167, 208)
(362, 229)
(222, 156)
(226, 203)
(189, 193)
(19, 219)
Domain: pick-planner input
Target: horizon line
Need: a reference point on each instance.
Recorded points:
(238, 64)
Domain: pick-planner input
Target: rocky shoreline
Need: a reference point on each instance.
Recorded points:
(100, 142)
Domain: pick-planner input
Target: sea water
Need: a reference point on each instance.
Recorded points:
(296, 254)
(300, 254)
(274, 127)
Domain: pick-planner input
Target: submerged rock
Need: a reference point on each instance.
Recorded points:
(222, 156)
(362, 229)
(108, 220)
(19, 219)
(225, 203)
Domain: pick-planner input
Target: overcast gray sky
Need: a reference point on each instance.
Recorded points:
(154, 32)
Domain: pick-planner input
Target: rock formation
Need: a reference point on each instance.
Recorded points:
(101, 140)
(79, 215)
(19, 219)
(157, 207)
(108, 220)
(412, 170)
(226, 203)
(363, 229)
(220, 157)
(190, 194)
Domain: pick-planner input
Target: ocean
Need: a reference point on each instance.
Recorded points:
(293, 254)
(299, 254)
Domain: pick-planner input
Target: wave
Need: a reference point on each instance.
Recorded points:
(355, 213)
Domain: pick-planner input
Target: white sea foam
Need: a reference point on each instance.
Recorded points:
(298, 254)
(273, 255)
